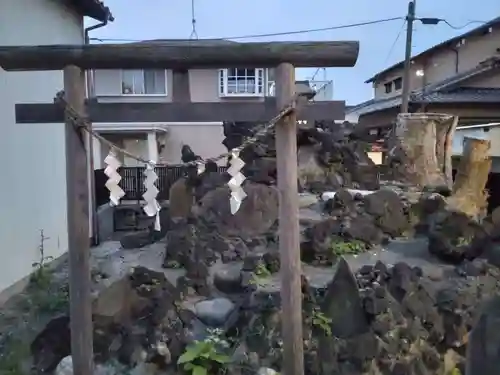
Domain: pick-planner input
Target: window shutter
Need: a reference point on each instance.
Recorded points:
(222, 82)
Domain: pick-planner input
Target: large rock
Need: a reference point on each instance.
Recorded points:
(215, 312)
(388, 210)
(483, 351)
(51, 345)
(343, 304)
(455, 237)
(137, 240)
(181, 197)
(257, 214)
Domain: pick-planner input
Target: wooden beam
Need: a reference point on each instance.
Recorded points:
(180, 55)
(180, 112)
(289, 232)
(78, 229)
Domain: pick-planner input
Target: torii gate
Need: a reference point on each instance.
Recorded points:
(180, 57)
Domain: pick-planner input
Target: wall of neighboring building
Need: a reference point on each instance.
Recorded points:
(494, 137)
(445, 63)
(474, 132)
(108, 88)
(203, 85)
(416, 81)
(204, 139)
(33, 155)
(462, 57)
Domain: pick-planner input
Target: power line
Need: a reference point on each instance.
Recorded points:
(461, 27)
(294, 32)
(391, 50)
(194, 34)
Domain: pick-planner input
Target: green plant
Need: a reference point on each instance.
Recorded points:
(463, 241)
(54, 300)
(28, 311)
(43, 295)
(41, 275)
(320, 320)
(203, 357)
(173, 264)
(261, 272)
(13, 354)
(353, 247)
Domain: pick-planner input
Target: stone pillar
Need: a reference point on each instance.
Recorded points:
(97, 154)
(152, 147)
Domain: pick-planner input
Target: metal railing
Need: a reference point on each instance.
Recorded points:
(132, 182)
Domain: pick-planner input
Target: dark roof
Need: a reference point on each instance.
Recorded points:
(446, 43)
(456, 96)
(91, 8)
(374, 105)
(447, 85)
(461, 95)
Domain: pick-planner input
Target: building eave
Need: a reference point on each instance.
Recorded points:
(91, 8)
(446, 44)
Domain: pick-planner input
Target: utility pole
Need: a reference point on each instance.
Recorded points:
(410, 18)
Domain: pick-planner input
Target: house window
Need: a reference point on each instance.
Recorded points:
(398, 83)
(388, 87)
(241, 82)
(144, 82)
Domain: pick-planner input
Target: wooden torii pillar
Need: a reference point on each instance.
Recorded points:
(179, 57)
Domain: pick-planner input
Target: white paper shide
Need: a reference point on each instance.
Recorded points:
(152, 207)
(237, 179)
(112, 184)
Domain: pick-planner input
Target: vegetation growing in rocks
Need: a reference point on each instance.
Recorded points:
(463, 241)
(42, 298)
(321, 321)
(352, 247)
(205, 357)
(259, 274)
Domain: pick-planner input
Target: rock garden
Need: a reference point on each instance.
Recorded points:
(396, 268)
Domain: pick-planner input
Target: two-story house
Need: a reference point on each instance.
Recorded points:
(35, 183)
(460, 76)
(163, 141)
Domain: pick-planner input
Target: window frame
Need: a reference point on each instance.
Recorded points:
(400, 80)
(260, 90)
(144, 80)
(388, 87)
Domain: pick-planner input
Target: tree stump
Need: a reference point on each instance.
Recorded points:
(469, 195)
(412, 155)
(445, 131)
